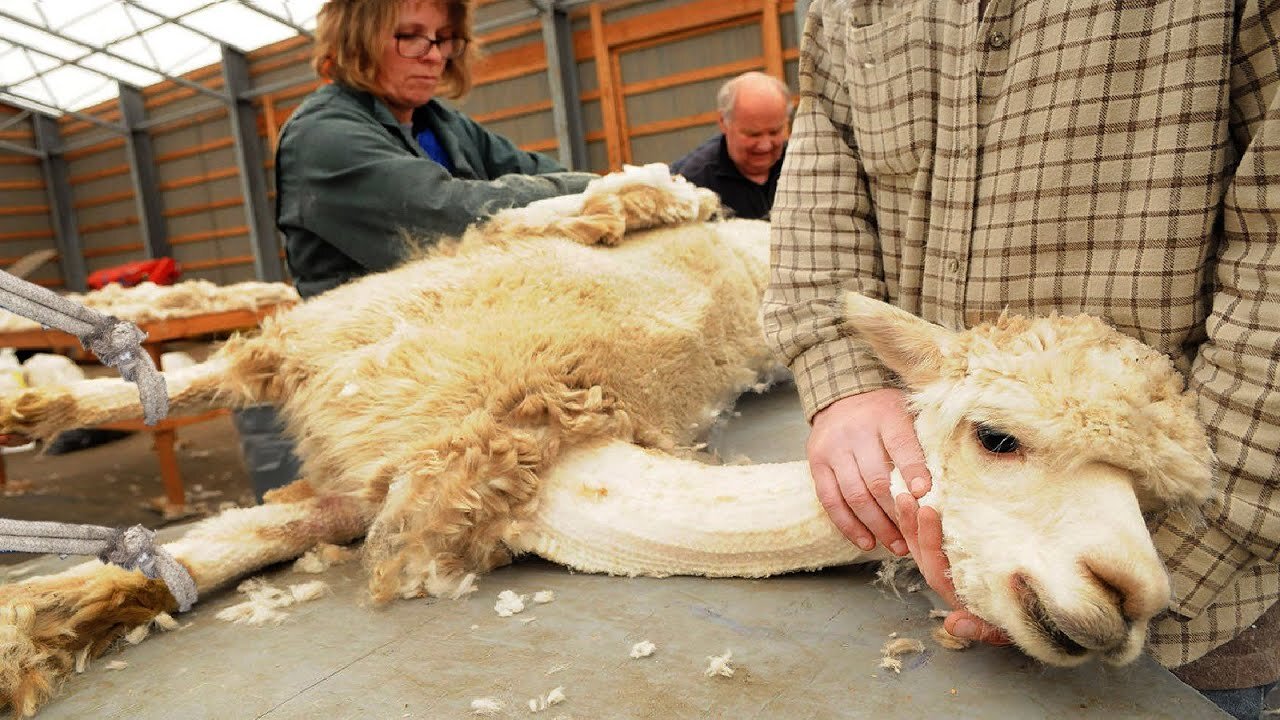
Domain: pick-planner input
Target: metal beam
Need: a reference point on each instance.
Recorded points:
(142, 168)
(57, 185)
(6, 90)
(281, 84)
(283, 21)
(249, 159)
(179, 114)
(104, 51)
(15, 119)
(20, 149)
(177, 19)
(562, 76)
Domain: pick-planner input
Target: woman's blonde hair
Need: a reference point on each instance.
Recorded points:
(351, 35)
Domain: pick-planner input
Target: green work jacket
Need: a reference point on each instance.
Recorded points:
(351, 181)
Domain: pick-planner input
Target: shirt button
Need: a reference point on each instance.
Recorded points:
(997, 40)
(953, 266)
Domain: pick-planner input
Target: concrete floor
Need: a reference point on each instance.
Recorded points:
(805, 645)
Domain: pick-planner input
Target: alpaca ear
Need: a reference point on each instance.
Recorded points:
(909, 346)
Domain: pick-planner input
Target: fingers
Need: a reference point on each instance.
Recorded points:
(898, 435)
(832, 500)
(13, 440)
(865, 484)
(922, 527)
(964, 624)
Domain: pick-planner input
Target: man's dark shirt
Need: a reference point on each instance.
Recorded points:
(710, 166)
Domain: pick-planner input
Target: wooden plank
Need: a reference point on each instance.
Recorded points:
(299, 57)
(269, 123)
(198, 179)
(615, 68)
(194, 265)
(661, 126)
(510, 32)
(112, 143)
(210, 146)
(513, 63)
(21, 184)
(687, 77)
(202, 207)
(771, 39)
(171, 422)
(660, 24)
(609, 99)
(26, 235)
(24, 210)
(112, 171)
(205, 235)
(112, 249)
(19, 160)
(543, 145)
(278, 47)
(188, 121)
(16, 135)
(108, 225)
(157, 331)
(514, 111)
(104, 199)
(678, 34)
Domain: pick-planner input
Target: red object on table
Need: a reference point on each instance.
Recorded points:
(161, 271)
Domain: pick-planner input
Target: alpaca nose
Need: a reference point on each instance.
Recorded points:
(1139, 594)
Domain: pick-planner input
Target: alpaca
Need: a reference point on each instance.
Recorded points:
(529, 389)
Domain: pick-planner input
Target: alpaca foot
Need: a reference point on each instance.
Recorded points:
(649, 196)
(40, 412)
(47, 624)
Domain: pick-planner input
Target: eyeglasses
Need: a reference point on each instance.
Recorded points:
(413, 47)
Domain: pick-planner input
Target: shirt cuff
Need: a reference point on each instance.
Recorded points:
(829, 371)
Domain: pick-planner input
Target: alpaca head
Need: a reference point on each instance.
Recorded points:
(1048, 440)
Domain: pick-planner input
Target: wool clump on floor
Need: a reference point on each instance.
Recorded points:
(509, 603)
(719, 665)
(555, 697)
(642, 649)
(322, 557)
(895, 648)
(487, 706)
(266, 600)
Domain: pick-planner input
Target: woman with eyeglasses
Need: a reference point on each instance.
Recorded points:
(374, 157)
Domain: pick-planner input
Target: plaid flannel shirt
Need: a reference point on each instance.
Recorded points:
(1119, 159)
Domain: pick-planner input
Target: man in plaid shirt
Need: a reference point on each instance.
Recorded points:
(1120, 159)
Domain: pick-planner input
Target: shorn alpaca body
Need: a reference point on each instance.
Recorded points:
(530, 389)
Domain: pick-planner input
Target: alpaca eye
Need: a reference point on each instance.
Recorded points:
(995, 441)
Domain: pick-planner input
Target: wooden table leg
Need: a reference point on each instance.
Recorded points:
(169, 472)
(4, 473)
(155, 350)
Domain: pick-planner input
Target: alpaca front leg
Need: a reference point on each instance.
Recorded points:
(47, 622)
(43, 412)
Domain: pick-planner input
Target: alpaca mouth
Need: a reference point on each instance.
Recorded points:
(1054, 635)
(1042, 622)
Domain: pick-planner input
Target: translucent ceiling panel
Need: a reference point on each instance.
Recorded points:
(239, 26)
(124, 72)
(76, 49)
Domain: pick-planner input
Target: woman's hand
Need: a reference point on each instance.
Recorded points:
(853, 445)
